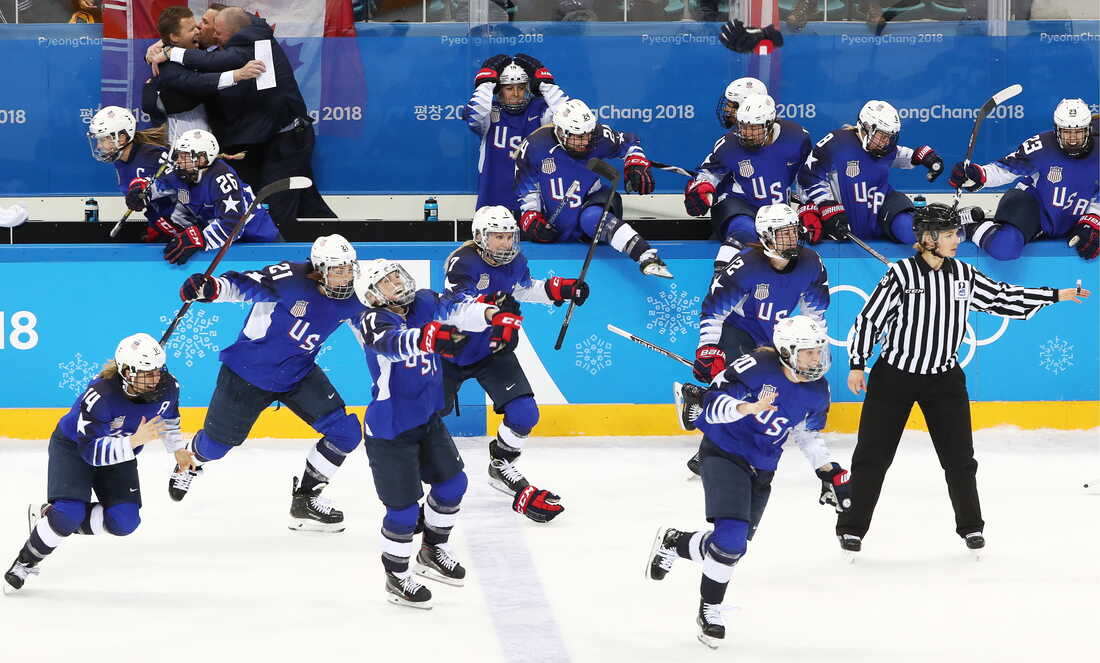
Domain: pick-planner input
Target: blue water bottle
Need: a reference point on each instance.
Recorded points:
(919, 201)
(91, 210)
(431, 209)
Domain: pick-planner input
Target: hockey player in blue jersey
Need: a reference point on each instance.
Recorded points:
(845, 180)
(133, 401)
(136, 156)
(1056, 192)
(296, 307)
(492, 268)
(749, 167)
(762, 285)
(762, 400)
(512, 98)
(736, 92)
(561, 201)
(210, 200)
(404, 332)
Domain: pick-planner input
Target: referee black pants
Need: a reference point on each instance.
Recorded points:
(946, 406)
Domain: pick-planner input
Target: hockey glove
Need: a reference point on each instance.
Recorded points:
(541, 506)
(490, 70)
(710, 360)
(1086, 232)
(834, 220)
(137, 196)
(200, 288)
(698, 197)
(835, 489)
(536, 229)
(968, 177)
(561, 290)
(639, 179)
(927, 157)
(810, 218)
(536, 73)
(736, 37)
(445, 340)
(183, 244)
(504, 336)
(502, 300)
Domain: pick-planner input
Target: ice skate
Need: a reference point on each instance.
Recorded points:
(662, 553)
(309, 512)
(404, 590)
(437, 563)
(711, 629)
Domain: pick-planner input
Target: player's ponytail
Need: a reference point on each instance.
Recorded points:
(152, 136)
(110, 370)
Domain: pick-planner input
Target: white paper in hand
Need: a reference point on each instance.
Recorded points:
(265, 80)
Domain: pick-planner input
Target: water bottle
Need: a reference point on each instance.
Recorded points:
(431, 209)
(919, 201)
(91, 210)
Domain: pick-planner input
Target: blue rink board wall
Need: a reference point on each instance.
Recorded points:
(660, 80)
(65, 307)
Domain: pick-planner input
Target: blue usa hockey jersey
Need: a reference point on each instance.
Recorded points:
(757, 175)
(216, 202)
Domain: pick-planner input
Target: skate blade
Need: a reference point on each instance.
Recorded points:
(710, 642)
(692, 476)
(657, 539)
(849, 556)
(397, 600)
(501, 486)
(305, 525)
(661, 273)
(976, 554)
(432, 574)
(6, 589)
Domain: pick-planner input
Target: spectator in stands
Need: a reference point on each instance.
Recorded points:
(179, 92)
(272, 126)
(86, 11)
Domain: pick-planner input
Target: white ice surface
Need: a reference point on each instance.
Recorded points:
(218, 577)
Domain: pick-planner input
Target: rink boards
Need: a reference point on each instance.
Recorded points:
(66, 306)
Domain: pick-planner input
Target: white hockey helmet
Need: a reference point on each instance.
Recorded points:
(513, 74)
(771, 222)
(193, 152)
(111, 130)
(1072, 121)
(383, 282)
(875, 118)
(331, 251)
(139, 359)
(495, 219)
(735, 93)
(755, 119)
(797, 334)
(575, 127)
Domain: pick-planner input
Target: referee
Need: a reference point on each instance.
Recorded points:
(920, 308)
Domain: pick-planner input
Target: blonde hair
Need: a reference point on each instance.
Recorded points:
(110, 370)
(152, 136)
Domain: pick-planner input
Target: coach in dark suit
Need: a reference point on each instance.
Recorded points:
(272, 126)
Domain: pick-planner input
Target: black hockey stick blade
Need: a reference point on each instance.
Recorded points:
(652, 346)
(679, 170)
(118, 226)
(278, 186)
(603, 169)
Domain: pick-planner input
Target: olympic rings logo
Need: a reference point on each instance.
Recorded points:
(970, 337)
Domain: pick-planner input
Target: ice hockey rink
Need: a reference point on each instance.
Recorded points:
(219, 577)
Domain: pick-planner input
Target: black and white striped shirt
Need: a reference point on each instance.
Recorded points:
(921, 313)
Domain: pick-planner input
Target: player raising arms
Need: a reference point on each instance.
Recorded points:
(1057, 192)
(551, 179)
(749, 167)
(209, 202)
(296, 307)
(846, 180)
(491, 267)
(133, 400)
(762, 400)
(763, 284)
(512, 97)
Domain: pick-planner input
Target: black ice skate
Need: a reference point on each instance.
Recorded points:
(437, 563)
(975, 541)
(405, 590)
(652, 265)
(503, 474)
(309, 512)
(689, 404)
(711, 629)
(17, 574)
(180, 482)
(850, 544)
(662, 553)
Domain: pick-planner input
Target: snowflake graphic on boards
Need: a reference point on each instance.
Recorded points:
(593, 354)
(673, 313)
(321, 353)
(194, 337)
(76, 374)
(1056, 355)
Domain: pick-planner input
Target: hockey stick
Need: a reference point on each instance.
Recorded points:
(863, 245)
(603, 169)
(118, 226)
(994, 101)
(646, 344)
(673, 169)
(279, 186)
